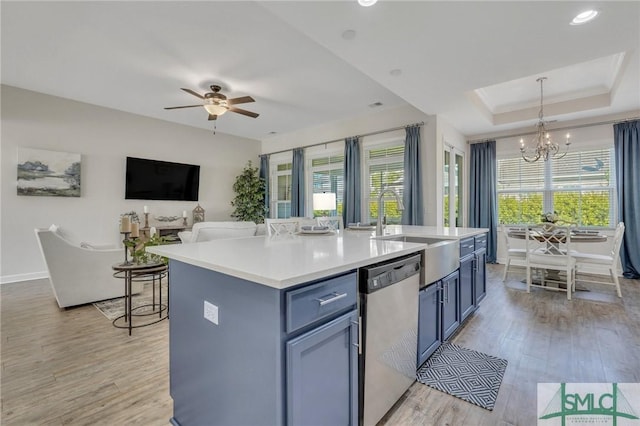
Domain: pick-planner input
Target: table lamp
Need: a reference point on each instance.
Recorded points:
(324, 201)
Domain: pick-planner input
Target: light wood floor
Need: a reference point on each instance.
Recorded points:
(73, 367)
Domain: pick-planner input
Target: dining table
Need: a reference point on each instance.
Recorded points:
(577, 236)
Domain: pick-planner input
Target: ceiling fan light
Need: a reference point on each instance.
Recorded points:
(214, 109)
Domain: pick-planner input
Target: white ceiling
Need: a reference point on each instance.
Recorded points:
(474, 63)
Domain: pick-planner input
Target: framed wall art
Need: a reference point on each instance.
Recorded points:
(48, 173)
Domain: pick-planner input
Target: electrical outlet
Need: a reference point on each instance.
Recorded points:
(211, 312)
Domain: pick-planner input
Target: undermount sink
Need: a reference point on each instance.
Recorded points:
(442, 256)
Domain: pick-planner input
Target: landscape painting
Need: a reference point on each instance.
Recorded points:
(49, 173)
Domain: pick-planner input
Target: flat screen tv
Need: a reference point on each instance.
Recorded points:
(161, 180)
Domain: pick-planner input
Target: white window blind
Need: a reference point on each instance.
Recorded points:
(579, 187)
(327, 175)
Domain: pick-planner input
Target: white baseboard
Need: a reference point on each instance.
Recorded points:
(6, 279)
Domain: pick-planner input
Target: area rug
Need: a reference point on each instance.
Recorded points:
(470, 375)
(113, 308)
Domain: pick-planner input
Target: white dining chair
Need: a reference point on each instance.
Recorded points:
(600, 264)
(334, 223)
(512, 253)
(280, 227)
(548, 250)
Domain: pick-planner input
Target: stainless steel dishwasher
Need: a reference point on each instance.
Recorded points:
(389, 320)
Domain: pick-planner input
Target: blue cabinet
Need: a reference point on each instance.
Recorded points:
(438, 315)
(322, 374)
(274, 357)
(467, 291)
(450, 289)
(480, 274)
(429, 322)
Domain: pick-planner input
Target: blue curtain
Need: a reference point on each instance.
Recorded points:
(412, 190)
(626, 139)
(297, 183)
(351, 198)
(264, 174)
(483, 205)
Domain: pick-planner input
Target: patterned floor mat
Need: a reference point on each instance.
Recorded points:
(464, 373)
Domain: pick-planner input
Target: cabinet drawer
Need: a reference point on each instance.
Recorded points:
(317, 301)
(481, 241)
(467, 246)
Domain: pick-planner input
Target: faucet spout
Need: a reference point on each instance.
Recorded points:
(379, 227)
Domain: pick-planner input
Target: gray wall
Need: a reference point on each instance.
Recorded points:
(104, 137)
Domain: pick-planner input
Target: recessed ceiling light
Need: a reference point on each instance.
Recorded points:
(349, 34)
(584, 17)
(375, 105)
(395, 72)
(272, 133)
(367, 3)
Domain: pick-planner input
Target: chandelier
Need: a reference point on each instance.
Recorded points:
(541, 145)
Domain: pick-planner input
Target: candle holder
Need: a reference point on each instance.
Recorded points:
(146, 220)
(184, 222)
(126, 249)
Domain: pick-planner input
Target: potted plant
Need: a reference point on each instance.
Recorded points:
(249, 200)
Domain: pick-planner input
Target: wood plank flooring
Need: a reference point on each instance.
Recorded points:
(72, 367)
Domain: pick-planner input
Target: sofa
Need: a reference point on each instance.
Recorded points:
(206, 231)
(81, 273)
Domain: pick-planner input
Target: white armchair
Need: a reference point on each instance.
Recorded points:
(80, 275)
(205, 231)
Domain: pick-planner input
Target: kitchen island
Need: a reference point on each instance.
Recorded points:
(264, 330)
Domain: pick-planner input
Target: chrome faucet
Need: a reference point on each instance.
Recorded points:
(379, 230)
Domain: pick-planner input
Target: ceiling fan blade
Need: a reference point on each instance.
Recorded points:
(212, 117)
(244, 112)
(242, 100)
(193, 93)
(186, 106)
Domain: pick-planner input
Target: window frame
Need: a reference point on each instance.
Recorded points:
(310, 169)
(366, 173)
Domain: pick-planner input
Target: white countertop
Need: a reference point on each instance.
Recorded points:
(281, 262)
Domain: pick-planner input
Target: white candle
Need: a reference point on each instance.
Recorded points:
(135, 230)
(184, 213)
(125, 224)
(146, 209)
(152, 231)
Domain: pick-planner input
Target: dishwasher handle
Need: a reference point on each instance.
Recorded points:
(384, 275)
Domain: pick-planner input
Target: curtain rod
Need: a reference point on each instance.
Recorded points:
(342, 139)
(514, 135)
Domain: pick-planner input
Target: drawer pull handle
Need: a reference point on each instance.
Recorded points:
(331, 298)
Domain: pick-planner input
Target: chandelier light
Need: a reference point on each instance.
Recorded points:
(542, 146)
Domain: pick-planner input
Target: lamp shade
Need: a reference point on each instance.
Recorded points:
(324, 201)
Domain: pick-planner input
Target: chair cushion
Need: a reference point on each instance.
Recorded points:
(551, 260)
(517, 253)
(591, 258)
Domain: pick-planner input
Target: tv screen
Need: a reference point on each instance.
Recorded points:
(161, 180)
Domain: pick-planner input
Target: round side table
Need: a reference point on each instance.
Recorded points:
(146, 272)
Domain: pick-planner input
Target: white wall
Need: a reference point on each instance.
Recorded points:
(379, 120)
(104, 137)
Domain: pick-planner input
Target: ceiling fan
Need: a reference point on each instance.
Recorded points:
(217, 104)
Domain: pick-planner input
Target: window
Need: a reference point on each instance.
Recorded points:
(384, 168)
(580, 187)
(327, 175)
(281, 197)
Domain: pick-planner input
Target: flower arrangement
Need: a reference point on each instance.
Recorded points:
(132, 215)
(137, 248)
(550, 217)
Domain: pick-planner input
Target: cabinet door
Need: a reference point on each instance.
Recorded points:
(429, 326)
(322, 374)
(480, 279)
(467, 296)
(450, 306)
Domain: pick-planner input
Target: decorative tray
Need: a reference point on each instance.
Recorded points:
(361, 227)
(315, 230)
